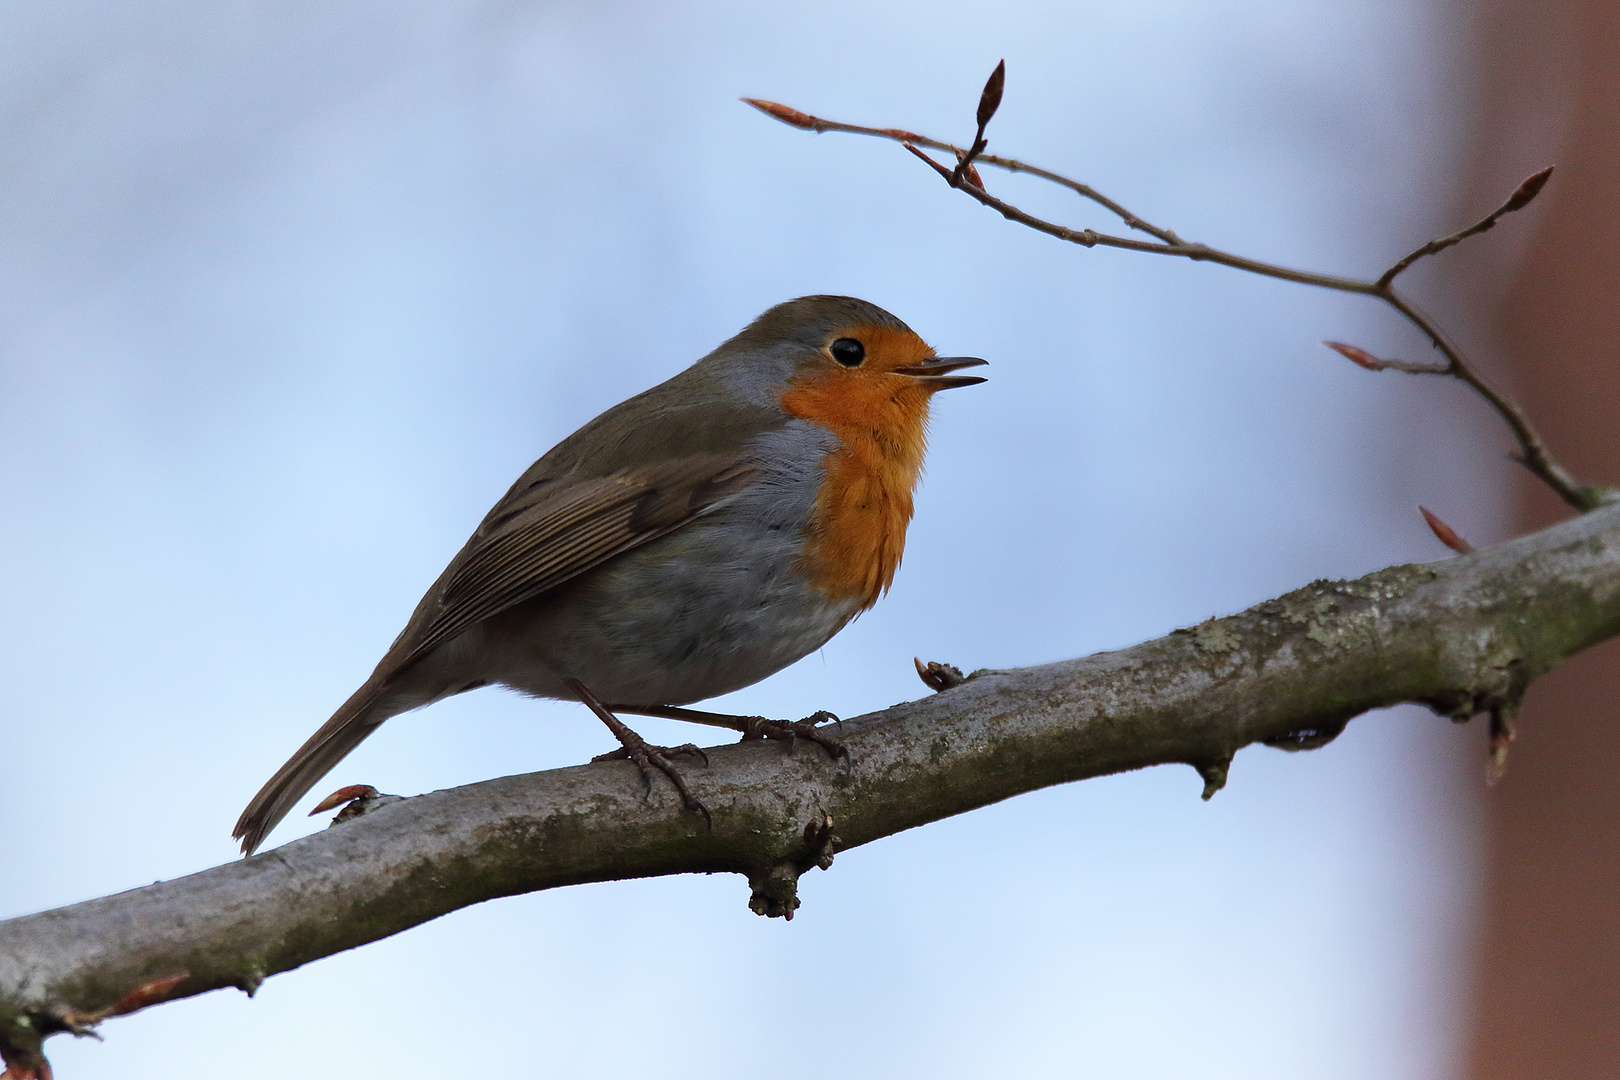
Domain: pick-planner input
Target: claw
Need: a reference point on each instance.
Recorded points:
(808, 728)
(649, 758)
(645, 756)
(689, 748)
(822, 716)
(791, 731)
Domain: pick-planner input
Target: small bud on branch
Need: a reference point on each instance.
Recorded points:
(1532, 453)
(1521, 197)
(1357, 355)
(1527, 191)
(343, 795)
(148, 994)
(789, 116)
(969, 171)
(1445, 533)
(990, 99)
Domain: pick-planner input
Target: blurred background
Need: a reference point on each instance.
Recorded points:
(291, 292)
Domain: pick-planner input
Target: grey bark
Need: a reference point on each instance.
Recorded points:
(1462, 636)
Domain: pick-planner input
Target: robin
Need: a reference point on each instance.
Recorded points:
(686, 543)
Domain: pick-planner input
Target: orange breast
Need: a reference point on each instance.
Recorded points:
(857, 531)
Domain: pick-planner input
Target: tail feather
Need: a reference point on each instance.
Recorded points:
(348, 727)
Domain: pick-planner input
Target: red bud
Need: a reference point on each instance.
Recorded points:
(1445, 534)
(1356, 355)
(990, 99)
(790, 116)
(149, 993)
(343, 795)
(1527, 191)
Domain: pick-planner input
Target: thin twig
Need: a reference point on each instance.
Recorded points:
(989, 102)
(1362, 357)
(1517, 201)
(805, 122)
(1181, 249)
(1532, 452)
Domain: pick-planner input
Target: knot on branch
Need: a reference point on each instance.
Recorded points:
(1213, 773)
(1497, 689)
(776, 888)
(1495, 686)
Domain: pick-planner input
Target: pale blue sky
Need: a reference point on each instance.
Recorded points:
(290, 293)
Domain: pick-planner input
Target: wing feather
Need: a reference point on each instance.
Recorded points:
(555, 529)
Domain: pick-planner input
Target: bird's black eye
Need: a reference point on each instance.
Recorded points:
(848, 351)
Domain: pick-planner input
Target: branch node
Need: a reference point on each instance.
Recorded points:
(1214, 774)
(966, 168)
(775, 892)
(776, 889)
(250, 981)
(819, 838)
(1592, 496)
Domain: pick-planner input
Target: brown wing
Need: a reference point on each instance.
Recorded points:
(545, 531)
(582, 503)
(554, 529)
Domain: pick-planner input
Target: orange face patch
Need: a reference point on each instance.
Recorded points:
(857, 530)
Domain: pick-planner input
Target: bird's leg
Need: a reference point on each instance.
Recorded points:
(753, 727)
(647, 757)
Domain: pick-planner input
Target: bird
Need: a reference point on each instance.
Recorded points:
(687, 542)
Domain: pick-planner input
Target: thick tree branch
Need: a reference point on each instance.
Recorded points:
(1463, 636)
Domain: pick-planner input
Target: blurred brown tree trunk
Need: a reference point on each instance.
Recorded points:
(1547, 976)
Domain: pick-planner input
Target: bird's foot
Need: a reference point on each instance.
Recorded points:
(791, 731)
(652, 760)
(754, 727)
(647, 757)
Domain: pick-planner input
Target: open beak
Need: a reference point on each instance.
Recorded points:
(935, 372)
